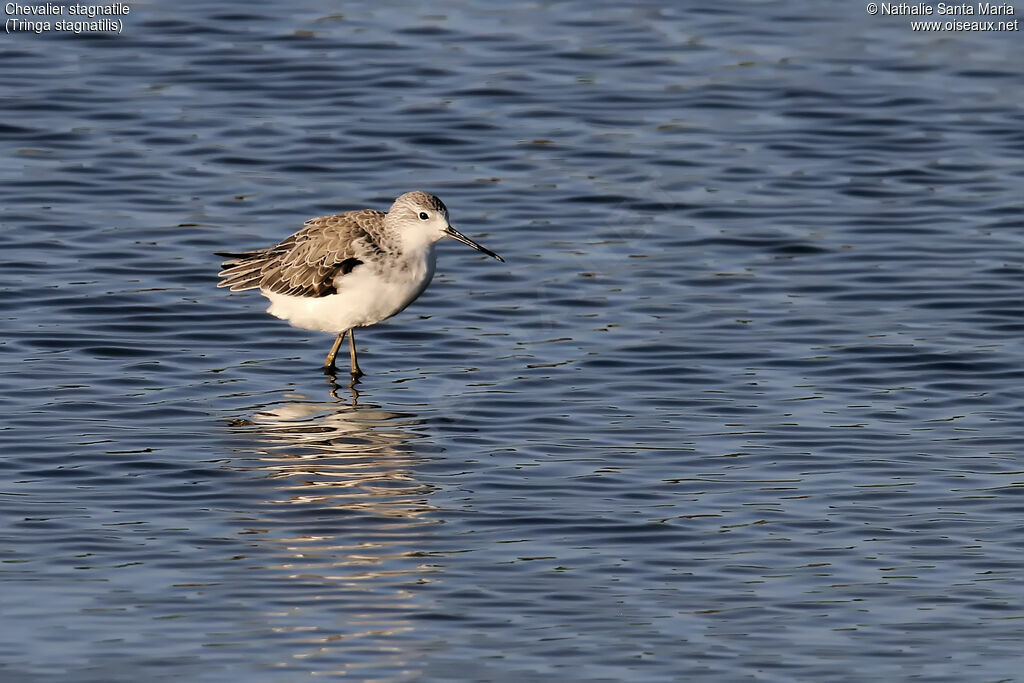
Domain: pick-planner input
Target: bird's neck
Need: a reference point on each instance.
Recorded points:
(412, 243)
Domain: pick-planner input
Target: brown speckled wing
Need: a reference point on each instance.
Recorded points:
(306, 263)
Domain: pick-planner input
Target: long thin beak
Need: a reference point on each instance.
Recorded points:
(455, 234)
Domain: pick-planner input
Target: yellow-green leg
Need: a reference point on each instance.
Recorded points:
(329, 363)
(356, 372)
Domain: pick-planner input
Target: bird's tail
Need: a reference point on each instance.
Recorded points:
(242, 270)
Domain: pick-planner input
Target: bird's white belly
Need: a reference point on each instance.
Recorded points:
(367, 295)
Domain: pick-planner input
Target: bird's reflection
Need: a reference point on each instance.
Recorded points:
(345, 522)
(339, 454)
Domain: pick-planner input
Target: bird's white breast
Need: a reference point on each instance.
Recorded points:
(372, 292)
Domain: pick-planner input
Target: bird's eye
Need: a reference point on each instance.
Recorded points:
(423, 215)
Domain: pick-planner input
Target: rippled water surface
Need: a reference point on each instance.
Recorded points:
(744, 402)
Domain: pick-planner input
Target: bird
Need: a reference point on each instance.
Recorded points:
(348, 270)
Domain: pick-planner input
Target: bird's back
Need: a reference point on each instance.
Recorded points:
(306, 263)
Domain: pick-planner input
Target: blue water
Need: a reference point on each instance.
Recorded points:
(744, 402)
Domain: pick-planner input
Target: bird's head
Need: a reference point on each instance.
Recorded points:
(422, 219)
